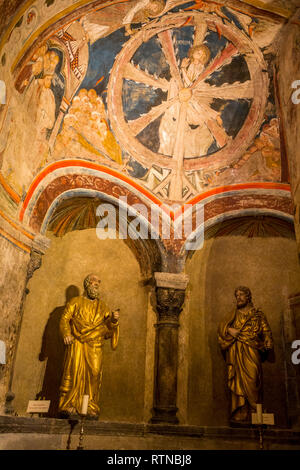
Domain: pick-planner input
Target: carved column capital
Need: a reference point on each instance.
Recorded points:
(35, 263)
(169, 302)
(40, 245)
(170, 294)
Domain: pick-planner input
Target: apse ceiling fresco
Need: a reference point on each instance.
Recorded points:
(178, 97)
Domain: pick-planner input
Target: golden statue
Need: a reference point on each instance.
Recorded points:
(85, 324)
(245, 338)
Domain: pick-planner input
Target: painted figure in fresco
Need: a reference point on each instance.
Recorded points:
(201, 118)
(85, 324)
(142, 12)
(31, 145)
(33, 70)
(261, 162)
(245, 338)
(86, 125)
(32, 113)
(43, 63)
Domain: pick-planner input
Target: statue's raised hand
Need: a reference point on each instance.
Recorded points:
(115, 315)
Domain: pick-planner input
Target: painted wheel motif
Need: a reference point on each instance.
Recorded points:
(180, 101)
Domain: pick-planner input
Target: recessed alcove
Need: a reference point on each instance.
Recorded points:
(40, 351)
(257, 252)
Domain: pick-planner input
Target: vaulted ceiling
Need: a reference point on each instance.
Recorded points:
(9, 7)
(241, 146)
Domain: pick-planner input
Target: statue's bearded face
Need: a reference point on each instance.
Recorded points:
(93, 287)
(242, 299)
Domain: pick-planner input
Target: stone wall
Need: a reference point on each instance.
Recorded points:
(14, 262)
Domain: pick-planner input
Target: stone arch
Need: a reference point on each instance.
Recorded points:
(240, 204)
(148, 252)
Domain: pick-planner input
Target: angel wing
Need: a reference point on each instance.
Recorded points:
(168, 6)
(94, 30)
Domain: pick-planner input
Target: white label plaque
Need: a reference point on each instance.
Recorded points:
(38, 406)
(268, 418)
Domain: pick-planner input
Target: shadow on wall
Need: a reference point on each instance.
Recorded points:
(220, 391)
(52, 351)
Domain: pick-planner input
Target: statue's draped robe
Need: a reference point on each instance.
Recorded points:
(89, 322)
(243, 358)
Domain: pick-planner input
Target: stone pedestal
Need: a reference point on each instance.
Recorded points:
(170, 295)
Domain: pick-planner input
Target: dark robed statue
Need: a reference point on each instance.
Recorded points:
(245, 338)
(85, 324)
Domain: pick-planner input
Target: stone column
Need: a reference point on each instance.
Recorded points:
(38, 248)
(170, 295)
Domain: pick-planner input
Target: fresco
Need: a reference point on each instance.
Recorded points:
(177, 95)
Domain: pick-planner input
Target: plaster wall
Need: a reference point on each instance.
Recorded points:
(269, 267)
(40, 351)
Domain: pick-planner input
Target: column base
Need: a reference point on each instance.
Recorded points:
(165, 415)
(9, 409)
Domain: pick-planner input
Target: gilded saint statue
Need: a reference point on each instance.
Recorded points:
(84, 325)
(245, 338)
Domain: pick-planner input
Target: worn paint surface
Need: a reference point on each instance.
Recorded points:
(178, 96)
